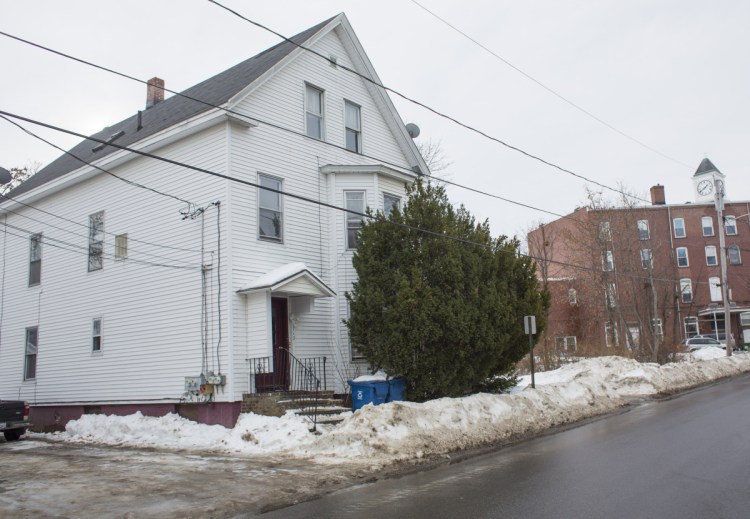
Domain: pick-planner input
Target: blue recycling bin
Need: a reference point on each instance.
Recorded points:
(397, 389)
(370, 392)
(376, 391)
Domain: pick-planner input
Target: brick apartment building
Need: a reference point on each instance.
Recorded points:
(642, 278)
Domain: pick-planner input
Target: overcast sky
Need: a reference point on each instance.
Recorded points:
(673, 74)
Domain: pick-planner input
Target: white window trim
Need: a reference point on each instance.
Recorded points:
(359, 131)
(610, 325)
(38, 239)
(648, 231)
(692, 320)
(572, 296)
(608, 261)
(704, 226)
(714, 256)
(322, 114)
(605, 231)
(733, 225)
(260, 236)
(734, 247)
(396, 197)
(714, 289)
(674, 227)
(686, 283)
(569, 343)
(92, 243)
(657, 325)
(648, 262)
(94, 335)
(26, 353)
(347, 215)
(677, 257)
(121, 253)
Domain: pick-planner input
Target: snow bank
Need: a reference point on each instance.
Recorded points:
(379, 435)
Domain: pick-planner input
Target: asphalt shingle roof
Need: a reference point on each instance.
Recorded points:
(706, 166)
(216, 91)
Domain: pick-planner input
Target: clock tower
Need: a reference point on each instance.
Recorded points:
(704, 182)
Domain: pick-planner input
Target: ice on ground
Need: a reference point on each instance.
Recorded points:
(380, 435)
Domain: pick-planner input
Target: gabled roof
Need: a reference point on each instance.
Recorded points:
(292, 279)
(706, 166)
(214, 91)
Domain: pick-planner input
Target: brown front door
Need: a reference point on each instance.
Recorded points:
(280, 341)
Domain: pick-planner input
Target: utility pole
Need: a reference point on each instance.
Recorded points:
(719, 203)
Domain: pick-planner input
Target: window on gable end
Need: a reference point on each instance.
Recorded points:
(314, 112)
(270, 216)
(353, 121)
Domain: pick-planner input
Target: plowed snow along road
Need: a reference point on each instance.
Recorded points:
(51, 480)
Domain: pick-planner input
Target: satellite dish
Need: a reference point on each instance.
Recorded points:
(413, 130)
(5, 176)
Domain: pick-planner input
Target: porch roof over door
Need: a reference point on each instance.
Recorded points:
(292, 279)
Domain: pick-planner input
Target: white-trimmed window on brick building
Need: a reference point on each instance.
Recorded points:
(353, 122)
(643, 230)
(634, 336)
(730, 225)
(96, 241)
(711, 259)
(745, 319)
(572, 296)
(566, 344)
(657, 326)
(121, 247)
(707, 223)
(35, 259)
(714, 286)
(647, 261)
(390, 202)
(610, 294)
(270, 214)
(96, 334)
(32, 345)
(686, 290)
(611, 338)
(679, 227)
(605, 232)
(608, 261)
(355, 202)
(691, 326)
(733, 254)
(682, 257)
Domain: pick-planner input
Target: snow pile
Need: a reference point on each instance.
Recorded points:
(378, 435)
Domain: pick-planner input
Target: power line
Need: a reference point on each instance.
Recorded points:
(318, 202)
(284, 129)
(426, 107)
(549, 89)
(79, 249)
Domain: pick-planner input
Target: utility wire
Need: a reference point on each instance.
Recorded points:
(83, 250)
(426, 107)
(287, 130)
(368, 216)
(549, 89)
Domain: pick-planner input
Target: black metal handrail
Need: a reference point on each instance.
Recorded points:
(299, 378)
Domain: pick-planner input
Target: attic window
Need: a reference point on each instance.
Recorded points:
(113, 138)
(333, 60)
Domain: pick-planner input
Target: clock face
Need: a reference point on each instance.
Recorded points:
(705, 187)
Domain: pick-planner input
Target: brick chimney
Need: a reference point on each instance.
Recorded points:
(657, 195)
(154, 92)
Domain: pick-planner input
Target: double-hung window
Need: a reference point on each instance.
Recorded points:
(734, 255)
(353, 121)
(608, 261)
(610, 334)
(730, 225)
(707, 223)
(714, 286)
(691, 326)
(96, 241)
(35, 259)
(270, 216)
(605, 232)
(355, 202)
(643, 231)
(565, 344)
(390, 202)
(682, 257)
(314, 112)
(646, 259)
(679, 227)
(96, 335)
(656, 326)
(610, 294)
(121, 247)
(32, 342)
(711, 256)
(686, 290)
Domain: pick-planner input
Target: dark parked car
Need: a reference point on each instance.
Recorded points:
(14, 419)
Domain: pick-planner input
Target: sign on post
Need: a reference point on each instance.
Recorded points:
(529, 328)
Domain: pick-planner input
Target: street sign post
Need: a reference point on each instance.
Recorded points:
(529, 328)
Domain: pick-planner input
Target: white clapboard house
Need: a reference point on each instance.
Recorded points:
(133, 283)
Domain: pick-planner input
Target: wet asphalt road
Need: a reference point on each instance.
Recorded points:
(688, 457)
